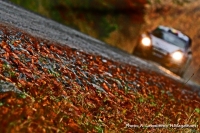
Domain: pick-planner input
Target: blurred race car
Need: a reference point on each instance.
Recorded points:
(166, 46)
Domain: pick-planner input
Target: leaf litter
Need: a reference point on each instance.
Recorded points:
(47, 87)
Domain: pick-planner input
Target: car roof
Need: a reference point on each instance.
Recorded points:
(176, 32)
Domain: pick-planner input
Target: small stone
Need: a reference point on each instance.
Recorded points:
(103, 60)
(98, 87)
(6, 87)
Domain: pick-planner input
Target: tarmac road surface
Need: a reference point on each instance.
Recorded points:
(48, 29)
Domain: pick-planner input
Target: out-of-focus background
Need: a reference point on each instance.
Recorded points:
(120, 22)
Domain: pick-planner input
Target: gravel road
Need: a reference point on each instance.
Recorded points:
(48, 29)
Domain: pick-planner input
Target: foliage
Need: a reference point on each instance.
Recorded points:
(161, 2)
(109, 21)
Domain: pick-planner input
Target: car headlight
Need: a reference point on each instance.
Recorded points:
(178, 55)
(146, 41)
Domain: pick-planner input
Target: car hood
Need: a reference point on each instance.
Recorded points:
(164, 46)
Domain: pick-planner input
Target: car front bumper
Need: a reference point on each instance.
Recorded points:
(159, 56)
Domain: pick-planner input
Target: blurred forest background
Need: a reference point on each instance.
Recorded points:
(119, 22)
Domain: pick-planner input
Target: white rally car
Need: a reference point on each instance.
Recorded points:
(167, 46)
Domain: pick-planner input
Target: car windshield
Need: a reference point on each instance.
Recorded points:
(169, 37)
